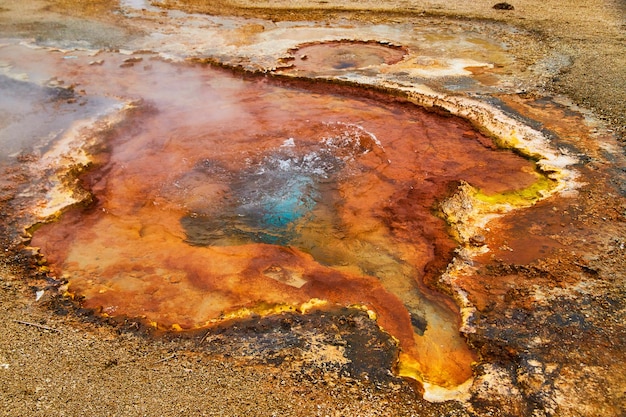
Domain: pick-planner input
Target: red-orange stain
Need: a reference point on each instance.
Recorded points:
(339, 56)
(202, 136)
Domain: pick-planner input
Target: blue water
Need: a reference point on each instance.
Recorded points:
(276, 202)
(288, 203)
(266, 202)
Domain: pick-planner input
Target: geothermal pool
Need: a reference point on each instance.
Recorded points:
(220, 196)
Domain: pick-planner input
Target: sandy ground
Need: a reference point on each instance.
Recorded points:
(57, 363)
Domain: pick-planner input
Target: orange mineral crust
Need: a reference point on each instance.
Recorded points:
(333, 57)
(220, 197)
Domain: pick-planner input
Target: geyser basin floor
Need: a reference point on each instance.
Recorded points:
(549, 296)
(220, 194)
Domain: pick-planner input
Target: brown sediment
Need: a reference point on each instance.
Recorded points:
(90, 8)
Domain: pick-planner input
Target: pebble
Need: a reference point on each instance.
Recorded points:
(503, 6)
(478, 240)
